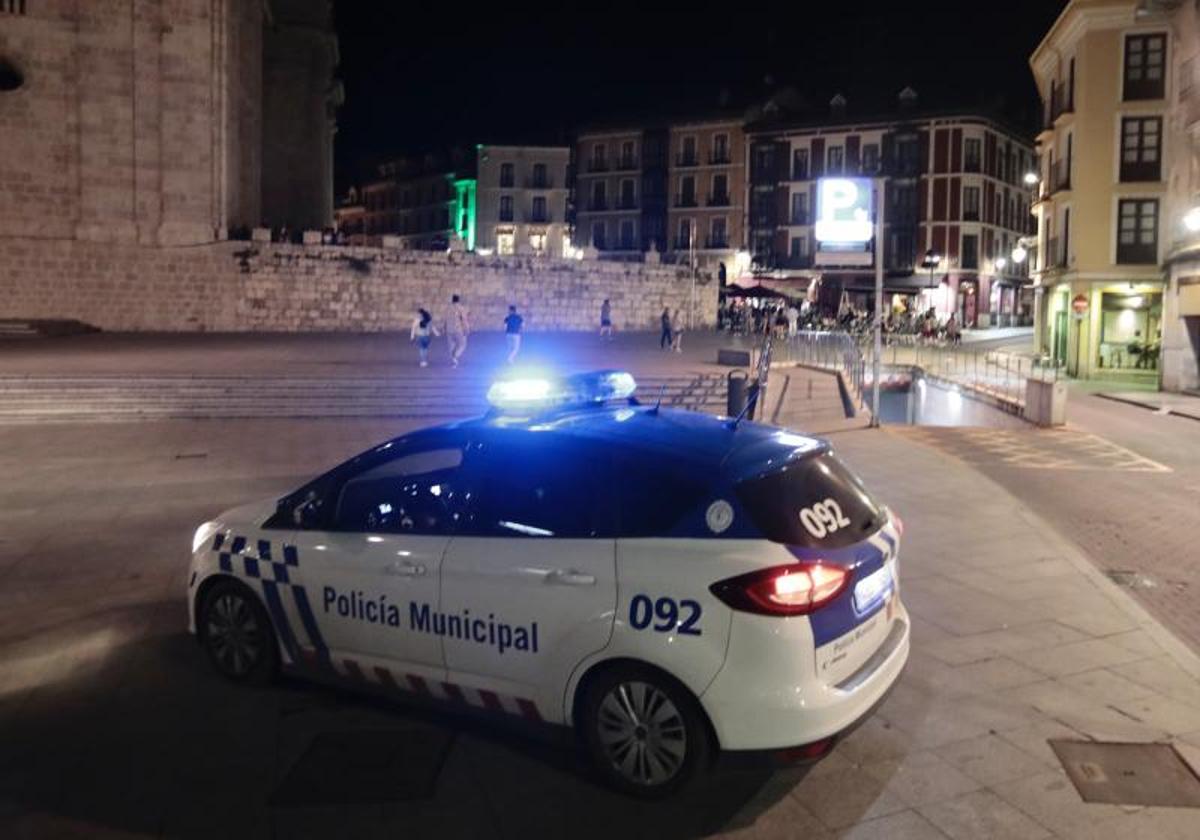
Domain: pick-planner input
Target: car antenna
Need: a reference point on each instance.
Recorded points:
(733, 424)
(662, 390)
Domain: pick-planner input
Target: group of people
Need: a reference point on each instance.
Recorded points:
(760, 317)
(457, 327)
(672, 331)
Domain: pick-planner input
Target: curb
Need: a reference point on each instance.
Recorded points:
(1156, 410)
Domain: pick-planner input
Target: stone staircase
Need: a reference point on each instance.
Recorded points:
(91, 399)
(17, 328)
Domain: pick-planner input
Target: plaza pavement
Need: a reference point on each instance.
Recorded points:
(111, 723)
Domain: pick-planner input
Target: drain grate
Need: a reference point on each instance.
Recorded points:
(366, 766)
(1129, 774)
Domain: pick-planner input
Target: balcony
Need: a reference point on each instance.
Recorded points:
(597, 205)
(538, 218)
(799, 217)
(799, 173)
(687, 159)
(685, 200)
(971, 215)
(1060, 176)
(506, 215)
(720, 158)
(717, 243)
(795, 261)
(681, 243)
(532, 183)
(597, 165)
(1062, 101)
(971, 164)
(626, 203)
(626, 163)
(718, 200)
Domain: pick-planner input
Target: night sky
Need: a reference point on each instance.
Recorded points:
(447, 74)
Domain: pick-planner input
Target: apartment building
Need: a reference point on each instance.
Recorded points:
(1104, 224)
(426, 202)
(707, 184)
(522, 200)
(675, 188)
(955, 208)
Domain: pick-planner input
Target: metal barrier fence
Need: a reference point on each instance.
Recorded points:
(997, 373)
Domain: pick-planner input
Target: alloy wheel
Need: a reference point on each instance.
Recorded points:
(642, 733)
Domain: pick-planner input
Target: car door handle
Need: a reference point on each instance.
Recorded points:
(570, 577)
(406, 569)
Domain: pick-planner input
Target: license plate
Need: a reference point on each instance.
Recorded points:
(874, 587)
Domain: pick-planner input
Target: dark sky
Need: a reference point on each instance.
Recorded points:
(419, 80)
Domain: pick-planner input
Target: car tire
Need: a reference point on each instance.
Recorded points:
(237, 635)
(644, 732)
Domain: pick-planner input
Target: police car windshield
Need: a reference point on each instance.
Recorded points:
(814, 502)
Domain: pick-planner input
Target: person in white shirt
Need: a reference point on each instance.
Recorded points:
(458, 327)
(422, 332)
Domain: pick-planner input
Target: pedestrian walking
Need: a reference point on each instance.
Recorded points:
(664, 340)
(422, 332)
(458, 327)
(677, 332)
(953, 331)
(606, 320)
(793, 320)
(512, 333)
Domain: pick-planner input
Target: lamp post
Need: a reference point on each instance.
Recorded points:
(878, 343)
(932, 260)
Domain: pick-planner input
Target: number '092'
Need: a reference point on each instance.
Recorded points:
(823, 518)
(665, 615)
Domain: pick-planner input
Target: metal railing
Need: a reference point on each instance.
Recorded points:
(994, 373)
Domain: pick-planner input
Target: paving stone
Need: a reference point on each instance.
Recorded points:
(982, 815)
(1076, 657)
(1052, 800)
(921, 778)
(906, 825)
(846, 798)
(990, 760)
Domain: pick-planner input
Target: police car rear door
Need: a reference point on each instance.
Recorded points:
(529, 582)
(377, 567)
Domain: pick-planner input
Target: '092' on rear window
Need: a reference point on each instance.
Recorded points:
(814, 502)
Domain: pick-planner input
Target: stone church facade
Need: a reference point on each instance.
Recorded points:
(165, 122)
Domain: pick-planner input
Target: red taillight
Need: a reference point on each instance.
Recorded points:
(898, 522)
(795, 589)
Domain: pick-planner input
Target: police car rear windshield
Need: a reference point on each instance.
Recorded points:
(813, 502)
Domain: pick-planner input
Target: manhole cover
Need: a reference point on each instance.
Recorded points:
(1129, 774)
(366, 766)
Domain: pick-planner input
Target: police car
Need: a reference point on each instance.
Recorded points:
(668, 583)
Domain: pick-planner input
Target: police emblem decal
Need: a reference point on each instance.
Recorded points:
(719, 516)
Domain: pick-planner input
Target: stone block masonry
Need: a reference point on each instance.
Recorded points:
(251, 286)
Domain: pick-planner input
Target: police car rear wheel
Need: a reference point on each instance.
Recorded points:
(644, 732)
(238, 635)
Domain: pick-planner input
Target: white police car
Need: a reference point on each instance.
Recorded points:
(667, 582)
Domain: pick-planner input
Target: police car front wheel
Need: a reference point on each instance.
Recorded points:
(644, 732)
(237, 634)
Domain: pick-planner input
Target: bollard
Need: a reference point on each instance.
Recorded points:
(735, 399)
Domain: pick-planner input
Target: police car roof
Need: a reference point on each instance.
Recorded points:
(699, 440)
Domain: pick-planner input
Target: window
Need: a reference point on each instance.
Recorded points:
(972, 147)
(799, 164)
(656, 494)
(720, 149)
(627, 243)
(506, 243)
(1137, 231)
(533, 490)
(799, 247)
(718, 236)
(539, 176)
(799, 208)
(628, 201)
(870, 158)
(908, 155)
(684, 239)
(764, 163)
(627, 160)
(598, 197)
(13, 7)
(506, 208)
(417, 493)
(506, 174)
(687, 191)
(599, 153)
(720, 190)
(687, 156)
(598, 236)
(1145, 59)
(537, 243)
(1141, 144)
(971, 204)
(835, 158)
(539, 209)
(970, 251)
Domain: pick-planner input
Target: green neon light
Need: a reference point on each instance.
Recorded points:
(464, 222)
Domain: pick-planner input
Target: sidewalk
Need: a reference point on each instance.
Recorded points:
(1181, 405)
(1008, 335)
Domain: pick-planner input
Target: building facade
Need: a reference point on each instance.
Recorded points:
(421, 203)
(707, 186)
(676, 190)
(162, 123)
(1105, 220)
(954, 203)
(522, 200)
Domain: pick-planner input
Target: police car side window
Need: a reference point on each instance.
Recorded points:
(542, 488)
(656, 492)
(416, 493)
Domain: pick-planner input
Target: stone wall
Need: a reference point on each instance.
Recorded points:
(236, 286)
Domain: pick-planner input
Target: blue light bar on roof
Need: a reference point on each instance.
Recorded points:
(541, 393)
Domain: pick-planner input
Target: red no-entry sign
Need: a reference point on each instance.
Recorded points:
(1080, 304)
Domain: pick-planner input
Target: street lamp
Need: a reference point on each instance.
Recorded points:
(932, 260)
(1000, 262)
(1019, 254)
(1031, 178)
(1191, 220)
